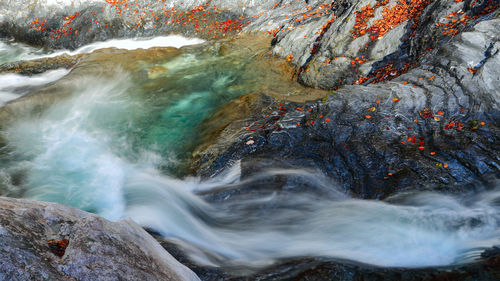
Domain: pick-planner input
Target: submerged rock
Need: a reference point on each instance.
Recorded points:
(227, 123)
(102, 63)
(48, 241)
(41, 65)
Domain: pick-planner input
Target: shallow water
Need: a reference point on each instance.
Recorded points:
(113, 144)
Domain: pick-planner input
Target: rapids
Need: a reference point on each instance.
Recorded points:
(111, 146)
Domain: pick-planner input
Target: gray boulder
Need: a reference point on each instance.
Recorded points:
(49, 241)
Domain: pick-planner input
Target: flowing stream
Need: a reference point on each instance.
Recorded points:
(113, 144)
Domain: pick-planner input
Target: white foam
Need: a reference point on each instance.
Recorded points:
(6, 96)
(10, 82)
(71, 160)
(12, 51)
(16, 80)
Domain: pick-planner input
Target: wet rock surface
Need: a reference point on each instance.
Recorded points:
(70, 24)
(226, 124)
(48, 241)
(435, 127)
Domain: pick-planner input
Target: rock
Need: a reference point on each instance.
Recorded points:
(352, 46)
(33, 246)
(71, 24)
(435, 127)
(215, 131)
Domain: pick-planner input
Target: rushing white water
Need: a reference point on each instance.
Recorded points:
(440, 232)
(78, 153)
(12, 51)
(13, 86)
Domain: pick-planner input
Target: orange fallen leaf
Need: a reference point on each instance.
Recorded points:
(472, 70)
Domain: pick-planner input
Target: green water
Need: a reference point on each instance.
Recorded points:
(79, 148)
(12, 51)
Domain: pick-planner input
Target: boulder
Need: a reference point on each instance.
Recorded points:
(49, 241)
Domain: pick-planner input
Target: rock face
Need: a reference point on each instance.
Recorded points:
(435, 127)
(96, 249)
(73, 23)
